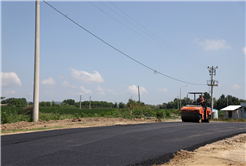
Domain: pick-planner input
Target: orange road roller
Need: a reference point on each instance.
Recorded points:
(196, 110)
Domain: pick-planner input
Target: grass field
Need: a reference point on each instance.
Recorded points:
(11, 114)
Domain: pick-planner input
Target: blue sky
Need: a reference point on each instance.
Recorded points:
(178, 39)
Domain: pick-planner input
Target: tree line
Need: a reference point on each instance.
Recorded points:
(218, 103)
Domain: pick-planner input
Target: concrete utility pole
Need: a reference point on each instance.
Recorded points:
(212, 83)
(80, 103)
(180, 96)
(36, 66)
(27, 100)
(177, 102)
(138, 94)
(90, 103)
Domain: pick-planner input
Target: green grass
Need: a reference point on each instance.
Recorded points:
(16, 114)
(221, 119)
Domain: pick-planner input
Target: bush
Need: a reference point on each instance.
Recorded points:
(17, 103)
(9, 117)
(42, 104)
(162, 114)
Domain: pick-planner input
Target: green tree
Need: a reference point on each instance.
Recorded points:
(115, 105)
(176, 103)
(53, 103)
(170, 105)
(2, 98)
(17, 103)
(222, 101)
(42, 104)
(122, 105)
(48, 104)
(68, 102)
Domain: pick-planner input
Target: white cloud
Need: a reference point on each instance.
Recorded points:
(244, 50)
(74, 93)
(84, 90)
(163, 90)
(10, 79)
(112, 91)
(213, 44)
(133, 89)
(6, 93)
(100, 90)
(65, 83)
(49, 92)
(48, 81)
(235, 86)
(85, 77)
(103, 91)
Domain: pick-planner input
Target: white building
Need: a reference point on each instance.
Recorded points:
(243, 109)
(233, 111)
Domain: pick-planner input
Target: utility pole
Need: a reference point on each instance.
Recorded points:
(227, 99)
(90, 103)
(36, 66)
(178, 102)
(138, 94)
(180, 96)
(27, 100)
(80, 102)
(212, 83)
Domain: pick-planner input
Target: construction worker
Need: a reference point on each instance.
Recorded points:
(202, 102)
(201, 99)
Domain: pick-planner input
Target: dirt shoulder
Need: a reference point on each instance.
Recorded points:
(227, 152)
(24, 127)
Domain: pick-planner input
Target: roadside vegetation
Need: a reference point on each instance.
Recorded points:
(51, 111)
(18, 109)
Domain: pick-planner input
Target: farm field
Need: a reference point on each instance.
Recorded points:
(16, 114)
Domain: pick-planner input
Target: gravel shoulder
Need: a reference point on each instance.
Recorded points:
(227, 152)
(25, 127)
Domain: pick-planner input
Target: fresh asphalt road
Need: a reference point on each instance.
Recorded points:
(140, 144)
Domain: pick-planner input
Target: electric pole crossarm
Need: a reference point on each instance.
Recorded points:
(212, 83)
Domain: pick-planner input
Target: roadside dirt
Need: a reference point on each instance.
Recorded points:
(23, 127)
(227, 152)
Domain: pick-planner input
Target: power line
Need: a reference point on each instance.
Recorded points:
(177, 54)
(156, 37)
(118, 49)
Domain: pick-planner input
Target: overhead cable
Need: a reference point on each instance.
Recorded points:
(155, 71)
(156, 38)
(177, 54)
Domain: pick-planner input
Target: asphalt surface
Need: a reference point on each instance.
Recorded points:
(141, 144)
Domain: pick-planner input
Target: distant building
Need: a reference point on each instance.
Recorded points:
(214, 113)
(233, 111)
(243, 105)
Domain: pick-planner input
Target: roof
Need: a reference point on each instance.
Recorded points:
(231, 108)
(243, 104)
(213, 109)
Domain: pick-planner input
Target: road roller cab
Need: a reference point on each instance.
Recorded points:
(196, 110)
